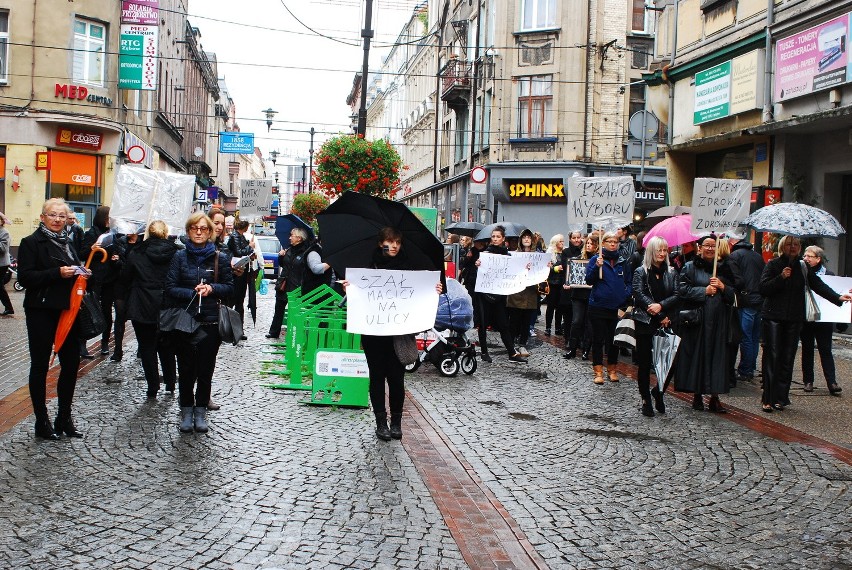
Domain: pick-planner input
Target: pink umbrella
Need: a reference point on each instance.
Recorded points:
(676, 231)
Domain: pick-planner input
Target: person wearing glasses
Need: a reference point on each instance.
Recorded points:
(199, 278)
(610, 277)
(782, 285)
(47, 267)
(701, 365)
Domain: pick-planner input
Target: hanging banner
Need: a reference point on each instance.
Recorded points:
(142, 196)
(137, 57)
(384, 302)
(603, 202)
(507, 274)
(719, 205)
(144, 12)
(255, 199)
(812, 59)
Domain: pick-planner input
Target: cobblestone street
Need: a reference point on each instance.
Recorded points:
(514, 467)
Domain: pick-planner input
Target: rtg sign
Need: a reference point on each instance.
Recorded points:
(539, 191)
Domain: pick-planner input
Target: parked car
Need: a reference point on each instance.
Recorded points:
(270, 246)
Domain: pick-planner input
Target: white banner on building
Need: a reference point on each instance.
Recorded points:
(829, 312)
(507, 274)
(142, 196)
(255, 199)
(386, 302)
(719, 205)
(603, 202)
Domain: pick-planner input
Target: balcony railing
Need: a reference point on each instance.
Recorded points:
(455, 81)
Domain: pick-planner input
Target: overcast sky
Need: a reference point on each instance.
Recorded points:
(269, 59)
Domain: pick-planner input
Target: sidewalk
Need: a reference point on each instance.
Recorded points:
(513, 467)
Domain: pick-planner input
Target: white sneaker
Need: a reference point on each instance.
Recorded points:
(523, 351)
(532, 333)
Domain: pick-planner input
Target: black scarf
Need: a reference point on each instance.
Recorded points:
(497, 249)
(382, 261)
(610, 255)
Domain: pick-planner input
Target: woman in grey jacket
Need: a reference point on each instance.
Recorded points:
(5, 261)
(655, 305)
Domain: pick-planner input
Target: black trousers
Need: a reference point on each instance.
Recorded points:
(553, 307)
(580, 335)
(4, 295)
(278, 315)
(780, 342)
(384, 367)
(603, 332)
(106, 295)
(120, 323)
(496, 314)
(644, 356)
(821, 333)
(196, 356)
(240, 290)
(41, 330)
(519, 324)
(146, 336)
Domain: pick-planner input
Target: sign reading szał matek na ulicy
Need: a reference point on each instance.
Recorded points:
(255, 199)
(605, 202)
(143, 195)
(719, 205)
(507, 274)
(387, 302)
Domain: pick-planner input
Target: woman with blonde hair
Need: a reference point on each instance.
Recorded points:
(145, 275)
(819, 333)
(579, 333)
(199, 278)
(554, 282)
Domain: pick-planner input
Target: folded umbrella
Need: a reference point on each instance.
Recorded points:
(664, 346)
(69, 315)
(350, 229)
(676, 231)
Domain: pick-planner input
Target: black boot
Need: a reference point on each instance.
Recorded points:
(396, 426)
(647, 410)
(570, 353)
(698, 402)
(382, 431)
(44, 430)
(64, 424)
(658, 400)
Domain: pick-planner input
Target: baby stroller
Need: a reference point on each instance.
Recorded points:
(446, 345)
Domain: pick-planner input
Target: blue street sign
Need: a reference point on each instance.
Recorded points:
(238, 143)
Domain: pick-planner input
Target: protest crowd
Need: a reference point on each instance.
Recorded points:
(695, 314)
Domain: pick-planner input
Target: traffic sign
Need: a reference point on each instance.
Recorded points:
(478, 175)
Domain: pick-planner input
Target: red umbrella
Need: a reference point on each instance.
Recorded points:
(69, 315)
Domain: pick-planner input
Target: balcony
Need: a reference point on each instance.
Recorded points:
(456, 83)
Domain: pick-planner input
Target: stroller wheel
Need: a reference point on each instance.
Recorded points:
(412, 367)
(18, 286)
(449, 366)
(468, 364)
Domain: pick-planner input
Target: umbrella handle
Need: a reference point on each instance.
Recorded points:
(96, 249)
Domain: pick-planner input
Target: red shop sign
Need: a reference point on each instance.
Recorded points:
(79, 139)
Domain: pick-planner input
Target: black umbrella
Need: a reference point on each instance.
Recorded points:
(285, 224)
(469, 229)
(252, 292)
(350, 229)
(512, 230)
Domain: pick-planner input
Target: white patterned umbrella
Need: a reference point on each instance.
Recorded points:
(794, 219)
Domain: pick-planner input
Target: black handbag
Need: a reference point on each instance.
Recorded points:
(90, 318)
(691, 318)
(230, 323)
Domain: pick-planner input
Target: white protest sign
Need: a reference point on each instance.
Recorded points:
(386, 302)
(604, 202)
(829, 312)
(507, 274)
(719, 205)
(142, 196)
(255, 199)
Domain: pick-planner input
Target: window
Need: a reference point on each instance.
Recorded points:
(535, 102)
(4, 47)
(461, 134)
(485, 134)
(638, 16)
(539, 14)
(89, 49)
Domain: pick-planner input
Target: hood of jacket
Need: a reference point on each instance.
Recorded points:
(158, 250)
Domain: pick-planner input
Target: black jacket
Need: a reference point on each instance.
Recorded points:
(145, 275)
(747, 266)
(643, 298)
(784, 299)
(106, 272)
(39, 260)
(187, 270)
(293, 268)
(238, 245)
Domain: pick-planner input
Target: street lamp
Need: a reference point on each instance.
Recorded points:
(311, 164)
(273, 156)
(270, 114)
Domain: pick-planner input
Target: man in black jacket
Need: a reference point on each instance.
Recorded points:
(747, 266)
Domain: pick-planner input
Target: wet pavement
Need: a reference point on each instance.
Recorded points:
(514, 467)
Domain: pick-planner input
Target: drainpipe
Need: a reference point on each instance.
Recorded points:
(33, 64)
(586, 118)
(473, 91)
(767, 64)
(671, 65)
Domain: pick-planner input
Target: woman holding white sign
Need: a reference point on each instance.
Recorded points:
(382, 359)
(610, 277)
(820, 333)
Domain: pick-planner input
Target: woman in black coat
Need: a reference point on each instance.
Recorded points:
(782, 285)
(701, 362)
(47, 269)
(145, 275)
(199, 278)
(655, 305)
(104, 275)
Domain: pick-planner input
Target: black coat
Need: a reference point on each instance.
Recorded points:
(187, 270)
(239, 245)
(145, 274)
(39, 260)
(784, 299)
(103, 273)
(747, 266)
(701, 365)
(643, 298)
